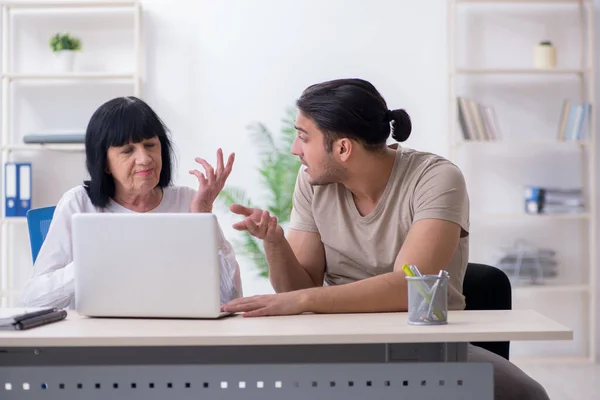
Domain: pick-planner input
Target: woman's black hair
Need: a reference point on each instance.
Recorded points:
(353, 108)
(116, 123)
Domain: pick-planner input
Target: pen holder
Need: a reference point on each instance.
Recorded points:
(428, 299)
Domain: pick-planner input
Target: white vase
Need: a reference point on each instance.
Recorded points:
(65, 60)
(544, 55)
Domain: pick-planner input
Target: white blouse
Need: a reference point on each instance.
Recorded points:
(52, 282)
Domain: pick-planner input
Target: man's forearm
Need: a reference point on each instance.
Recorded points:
(383, 293)
(285, 272)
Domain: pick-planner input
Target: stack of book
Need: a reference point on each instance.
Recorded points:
(477, 121)
(574, 119)
(545, 200)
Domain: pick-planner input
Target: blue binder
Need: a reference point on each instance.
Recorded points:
(11, 182)
(24, 192)
(17, 188)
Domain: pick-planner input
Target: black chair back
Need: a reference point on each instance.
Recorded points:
(488, 288)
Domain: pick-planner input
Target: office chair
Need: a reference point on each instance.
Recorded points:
(488, 288)
(38, 223)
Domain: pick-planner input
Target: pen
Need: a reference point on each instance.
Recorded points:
(434, 291)
(44, 319)
(34, 314)
(415, 270)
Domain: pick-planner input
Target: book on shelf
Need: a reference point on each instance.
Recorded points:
(477, 121)
(574, 120)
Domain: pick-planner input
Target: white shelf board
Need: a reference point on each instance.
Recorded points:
(516, 142)
(519, 1)
(75, 147)
(551, 288)
(13, 220)
(524, 216)
(521, 71)
(69, 76)
(68, 4)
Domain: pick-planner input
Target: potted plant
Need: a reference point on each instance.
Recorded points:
(65, 47)
(278, 170)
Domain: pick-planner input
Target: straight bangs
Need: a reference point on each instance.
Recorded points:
(132, 124)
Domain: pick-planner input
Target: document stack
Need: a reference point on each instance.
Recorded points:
(543, 200)
(527, 264)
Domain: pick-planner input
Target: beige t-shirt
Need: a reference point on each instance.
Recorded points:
(421, 185)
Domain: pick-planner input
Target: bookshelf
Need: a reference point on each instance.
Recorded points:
(105, 26)
(527, 148)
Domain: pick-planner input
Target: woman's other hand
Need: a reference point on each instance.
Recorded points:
(210, 183)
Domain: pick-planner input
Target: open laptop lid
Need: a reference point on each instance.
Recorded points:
(146, 265)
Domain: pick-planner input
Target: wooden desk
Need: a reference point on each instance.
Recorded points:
(307, 356)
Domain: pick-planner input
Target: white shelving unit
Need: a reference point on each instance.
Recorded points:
(581, 70)
(8, 76)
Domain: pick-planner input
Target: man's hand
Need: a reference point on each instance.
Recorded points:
(258, 223)
(289, 303)
(210, 186)
(293, 265)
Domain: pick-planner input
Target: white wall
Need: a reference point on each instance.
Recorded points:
(211, 68)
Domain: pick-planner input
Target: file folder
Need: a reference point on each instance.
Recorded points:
(10, 189)
(24, 193)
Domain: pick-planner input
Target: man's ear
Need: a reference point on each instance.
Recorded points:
(343, 148)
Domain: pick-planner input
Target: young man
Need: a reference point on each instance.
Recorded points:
(361, 210)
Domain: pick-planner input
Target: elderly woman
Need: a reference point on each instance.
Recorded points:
(129, 161)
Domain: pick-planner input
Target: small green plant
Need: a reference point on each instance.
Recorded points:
(278, 170)
(64, 41)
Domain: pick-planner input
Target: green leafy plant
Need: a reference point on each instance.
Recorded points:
(278, 170)
(64, 41)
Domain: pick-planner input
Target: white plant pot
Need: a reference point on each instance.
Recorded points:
(65, 60)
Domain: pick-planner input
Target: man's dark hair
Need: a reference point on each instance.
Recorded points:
(116, 123)
(353, 108)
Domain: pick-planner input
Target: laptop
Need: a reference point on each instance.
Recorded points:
(148, 265)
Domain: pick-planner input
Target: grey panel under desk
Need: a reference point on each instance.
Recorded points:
(450, 381)
(344, 353)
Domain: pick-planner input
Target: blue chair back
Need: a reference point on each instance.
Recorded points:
(38, 223)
